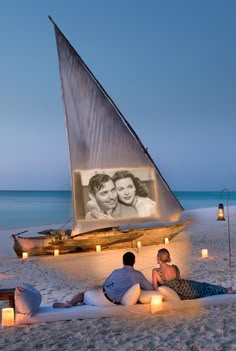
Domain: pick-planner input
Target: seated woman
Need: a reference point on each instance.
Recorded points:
(169, 275)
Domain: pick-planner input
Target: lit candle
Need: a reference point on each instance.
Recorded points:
(156, 303)
(24, 255)
(139, 244)
(56, 252)
(7, 317)
(204, 253)
(220, 214)
(98, 248)
(166, 241)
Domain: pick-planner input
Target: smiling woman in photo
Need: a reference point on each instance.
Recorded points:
(131, 191)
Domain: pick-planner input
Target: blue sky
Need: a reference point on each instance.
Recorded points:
(170, 67)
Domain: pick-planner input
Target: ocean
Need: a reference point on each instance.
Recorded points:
(19, 209)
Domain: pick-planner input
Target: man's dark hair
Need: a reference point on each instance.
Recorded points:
(96, 182)
(128, 259)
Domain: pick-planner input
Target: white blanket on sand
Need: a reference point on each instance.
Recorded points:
(47, 313)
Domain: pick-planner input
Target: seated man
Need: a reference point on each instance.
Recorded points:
(103, 195)
(114, 287)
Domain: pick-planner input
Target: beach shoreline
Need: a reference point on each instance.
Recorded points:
(59, 278)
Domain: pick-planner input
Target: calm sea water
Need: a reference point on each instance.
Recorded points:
(31, 208)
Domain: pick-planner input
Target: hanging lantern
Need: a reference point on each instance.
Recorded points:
(220, 213)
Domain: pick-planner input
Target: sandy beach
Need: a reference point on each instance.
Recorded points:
(59, 278)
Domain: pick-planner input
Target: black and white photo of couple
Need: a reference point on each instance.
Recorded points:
(120, 195)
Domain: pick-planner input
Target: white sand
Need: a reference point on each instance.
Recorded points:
(59, 278)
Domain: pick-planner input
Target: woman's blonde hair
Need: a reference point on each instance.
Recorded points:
(163, 255)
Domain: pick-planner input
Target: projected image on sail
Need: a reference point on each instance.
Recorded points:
(115, 193)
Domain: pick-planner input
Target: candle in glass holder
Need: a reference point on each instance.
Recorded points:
(7, 317)
(156, 303)
(24, 255)
(56, 252)
(204, 253)
(139, 244)
(98, 248)
(166, 241)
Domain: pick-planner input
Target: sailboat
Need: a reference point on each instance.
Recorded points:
(119, 195)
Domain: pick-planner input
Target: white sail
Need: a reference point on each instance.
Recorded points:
(101, 142)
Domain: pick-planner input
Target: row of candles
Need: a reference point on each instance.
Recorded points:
(25, 254)
(98, 249)
(204, 252)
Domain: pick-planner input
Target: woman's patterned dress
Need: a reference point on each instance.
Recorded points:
(190, 289)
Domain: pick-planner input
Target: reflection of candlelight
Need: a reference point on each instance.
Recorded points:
(7, 317)
(156, 303)
(56, 252)
(139, 244)
(98, 248)
(24, 255)
(204, 253)
(166, 241)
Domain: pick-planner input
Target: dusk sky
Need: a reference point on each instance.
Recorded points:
(169, 66)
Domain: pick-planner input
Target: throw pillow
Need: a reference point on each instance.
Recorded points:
(168, 293)
(131, 296)
(27, 299)
(96, 297)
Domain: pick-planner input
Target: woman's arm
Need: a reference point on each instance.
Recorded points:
(156, 279)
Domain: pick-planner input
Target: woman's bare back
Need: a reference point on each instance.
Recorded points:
(169, 272)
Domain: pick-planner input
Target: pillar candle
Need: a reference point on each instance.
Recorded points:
(7, 317)
(139, 244)
(56, 252)
(24, 255)
(204, 253)
(98, 248)
(156, 303)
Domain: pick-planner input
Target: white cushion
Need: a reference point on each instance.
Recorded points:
(146, 296)
(47, 313)
(27, 299)
(96, 297)
(131, 296)
(168, 294)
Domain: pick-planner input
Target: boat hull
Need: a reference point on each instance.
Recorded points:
(108, 239)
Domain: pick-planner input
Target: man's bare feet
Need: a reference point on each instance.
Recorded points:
(76, 300)
(231, 291)
(61, 305)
